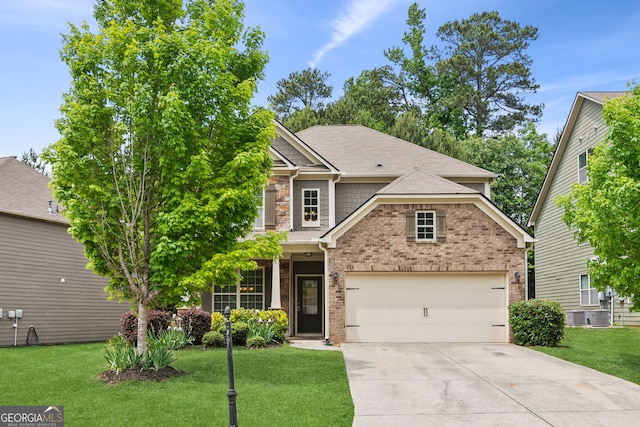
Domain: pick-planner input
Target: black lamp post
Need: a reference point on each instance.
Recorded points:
(231, 394)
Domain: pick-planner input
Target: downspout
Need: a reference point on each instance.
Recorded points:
(326, 291)
(291, 178)
(332, 200)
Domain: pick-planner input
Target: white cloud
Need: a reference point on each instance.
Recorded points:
(358, 14)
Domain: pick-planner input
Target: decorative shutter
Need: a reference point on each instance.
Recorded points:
(411, 225)
(270, 206)
(441, 225)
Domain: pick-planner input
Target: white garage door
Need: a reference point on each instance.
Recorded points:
(426, 307)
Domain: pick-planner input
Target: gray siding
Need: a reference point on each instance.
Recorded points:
(350, 197)
(559, 259)
(34, 258)
(290, 152)
(298, 186)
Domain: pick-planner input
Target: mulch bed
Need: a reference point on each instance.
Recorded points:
(112, 377)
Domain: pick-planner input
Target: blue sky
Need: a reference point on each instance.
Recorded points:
(583, 45)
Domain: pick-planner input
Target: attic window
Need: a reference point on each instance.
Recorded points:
(426, 226)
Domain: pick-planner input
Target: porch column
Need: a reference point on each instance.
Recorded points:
(275, 284)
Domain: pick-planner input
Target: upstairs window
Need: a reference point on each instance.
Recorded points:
(583, 159)
(425, 226)
(311, 208)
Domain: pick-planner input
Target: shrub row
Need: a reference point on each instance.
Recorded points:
(195, 323)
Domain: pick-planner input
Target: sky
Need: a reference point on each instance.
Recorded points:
(583, 45)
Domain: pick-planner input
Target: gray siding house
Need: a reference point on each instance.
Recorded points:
(43, 269)
(388, 241)
(560, 262)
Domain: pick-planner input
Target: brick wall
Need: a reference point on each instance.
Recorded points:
(474, 242)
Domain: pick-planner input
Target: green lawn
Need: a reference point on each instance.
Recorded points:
(282, 386)
(615, 351)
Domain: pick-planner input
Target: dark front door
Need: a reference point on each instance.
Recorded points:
(309, 304)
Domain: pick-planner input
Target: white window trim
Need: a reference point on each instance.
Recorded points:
(315, 223)
(433, 226)
(588, 291)
(582, 171)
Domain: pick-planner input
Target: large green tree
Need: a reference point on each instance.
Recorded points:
(487, 55)
(605, 211)
(306, 89)
(161, 157)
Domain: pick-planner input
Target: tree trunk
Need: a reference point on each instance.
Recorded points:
(142, 328)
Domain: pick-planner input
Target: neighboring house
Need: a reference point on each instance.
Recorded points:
(561, 273)
(43, 269)
(388, 241)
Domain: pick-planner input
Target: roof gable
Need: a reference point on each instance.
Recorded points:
(574, 113)
(421, 182)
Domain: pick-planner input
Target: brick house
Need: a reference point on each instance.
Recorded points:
(388, 241)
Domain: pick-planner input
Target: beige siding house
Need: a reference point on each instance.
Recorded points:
(388, 241)
(560, 262)
(43, 269)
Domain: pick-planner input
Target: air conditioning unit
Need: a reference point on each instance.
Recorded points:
(597, 318)
(575, 318)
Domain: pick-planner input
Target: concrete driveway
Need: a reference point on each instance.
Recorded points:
(481, 385)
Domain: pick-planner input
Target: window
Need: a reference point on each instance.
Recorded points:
(583, 159)
(588, 295)
(310, 208)
(425, 225)
(249, 293)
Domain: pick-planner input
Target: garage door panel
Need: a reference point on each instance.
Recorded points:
(426, 307)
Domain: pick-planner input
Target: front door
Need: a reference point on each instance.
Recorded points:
(309, 306)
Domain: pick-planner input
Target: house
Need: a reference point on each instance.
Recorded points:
(43, 270)
(388, 241)
(560, 261)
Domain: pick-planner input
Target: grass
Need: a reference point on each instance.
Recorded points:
(615, 351)
(282, 386)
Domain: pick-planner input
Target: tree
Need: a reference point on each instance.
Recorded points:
(605, 211)
(302, 89)
(33, 160)
(521, 162)
(487, 54)
(161, 158)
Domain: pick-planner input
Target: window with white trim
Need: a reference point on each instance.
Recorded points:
(588, 295)
(248, 293)
(425, 226)
(583, 160)
(311, 208)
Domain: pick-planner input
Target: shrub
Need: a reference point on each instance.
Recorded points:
(256, 342)
(217, 320)
(195, 323)
(120, 354)
(213, 339)
(239, 332)
(537, 322)
(159, 352)
(156, 321)
(279, 320)
(245, 315)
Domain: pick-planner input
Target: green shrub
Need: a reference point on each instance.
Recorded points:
(243, 315)
(195, 323)
(256, 341)
(120, 354)
(160, 352)
(537, 322)
(217, 320)
(214, 339)
(239, 332)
